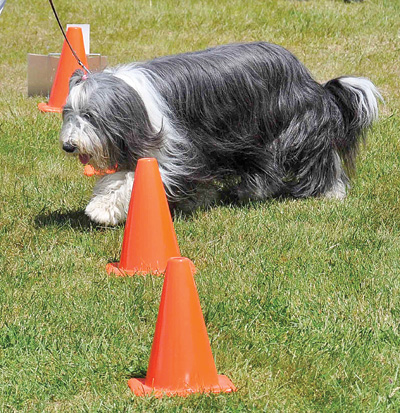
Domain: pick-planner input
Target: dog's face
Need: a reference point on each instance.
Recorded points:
(105, 122)
(79, 134)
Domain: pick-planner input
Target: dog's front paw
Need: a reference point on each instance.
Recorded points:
(110, 202)
(105, 214)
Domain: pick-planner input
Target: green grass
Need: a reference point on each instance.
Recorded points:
(301, 298)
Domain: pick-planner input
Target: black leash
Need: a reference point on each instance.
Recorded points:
(66, 39)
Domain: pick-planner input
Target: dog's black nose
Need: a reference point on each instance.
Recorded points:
(68, 147)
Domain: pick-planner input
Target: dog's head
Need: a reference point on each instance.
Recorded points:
(106, 123)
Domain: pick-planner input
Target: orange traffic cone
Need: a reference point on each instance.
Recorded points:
(149, 237)
(66, 66)
(181, 361)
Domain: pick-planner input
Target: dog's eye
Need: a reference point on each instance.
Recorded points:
(87, 116)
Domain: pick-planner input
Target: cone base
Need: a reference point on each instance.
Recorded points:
(113, 268)
(139, 388)
(44, 107)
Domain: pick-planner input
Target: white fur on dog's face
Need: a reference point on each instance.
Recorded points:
(78, 136)
(107, 122)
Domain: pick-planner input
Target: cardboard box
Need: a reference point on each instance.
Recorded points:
(42, 70)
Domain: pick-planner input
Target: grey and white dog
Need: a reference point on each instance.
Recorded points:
(247, 119)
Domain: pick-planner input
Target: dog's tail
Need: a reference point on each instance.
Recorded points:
(357, 99)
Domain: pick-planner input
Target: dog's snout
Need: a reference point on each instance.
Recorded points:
(68, 147)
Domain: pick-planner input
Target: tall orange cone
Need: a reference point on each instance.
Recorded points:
(149, 237)
(181, 361)
(66, 66)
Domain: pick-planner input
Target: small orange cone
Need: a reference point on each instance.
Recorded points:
(181, 361)
(149, 237)
(88, 170)
(66, 66)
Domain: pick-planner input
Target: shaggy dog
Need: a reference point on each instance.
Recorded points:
(246, 120)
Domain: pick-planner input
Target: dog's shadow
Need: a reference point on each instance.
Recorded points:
(74, 219)
(190, 215)
(77, 219)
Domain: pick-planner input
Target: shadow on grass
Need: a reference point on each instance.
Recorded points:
(73, 219)
(77, 219)
(137, 373)
(188, 215)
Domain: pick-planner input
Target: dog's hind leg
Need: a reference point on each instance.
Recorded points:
(110, 201)
(340, 184)
(202, 195)
(258, 186)
(309, 159)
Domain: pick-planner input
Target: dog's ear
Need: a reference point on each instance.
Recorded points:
(76, 78)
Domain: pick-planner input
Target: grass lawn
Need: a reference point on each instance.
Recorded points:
(301, 298)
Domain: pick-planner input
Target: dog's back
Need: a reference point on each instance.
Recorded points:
(254, 108)
(233, 101)
(234, 88)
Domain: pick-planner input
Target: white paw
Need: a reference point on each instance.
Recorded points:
(338, 191)
(110, 202)
(105, 214)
